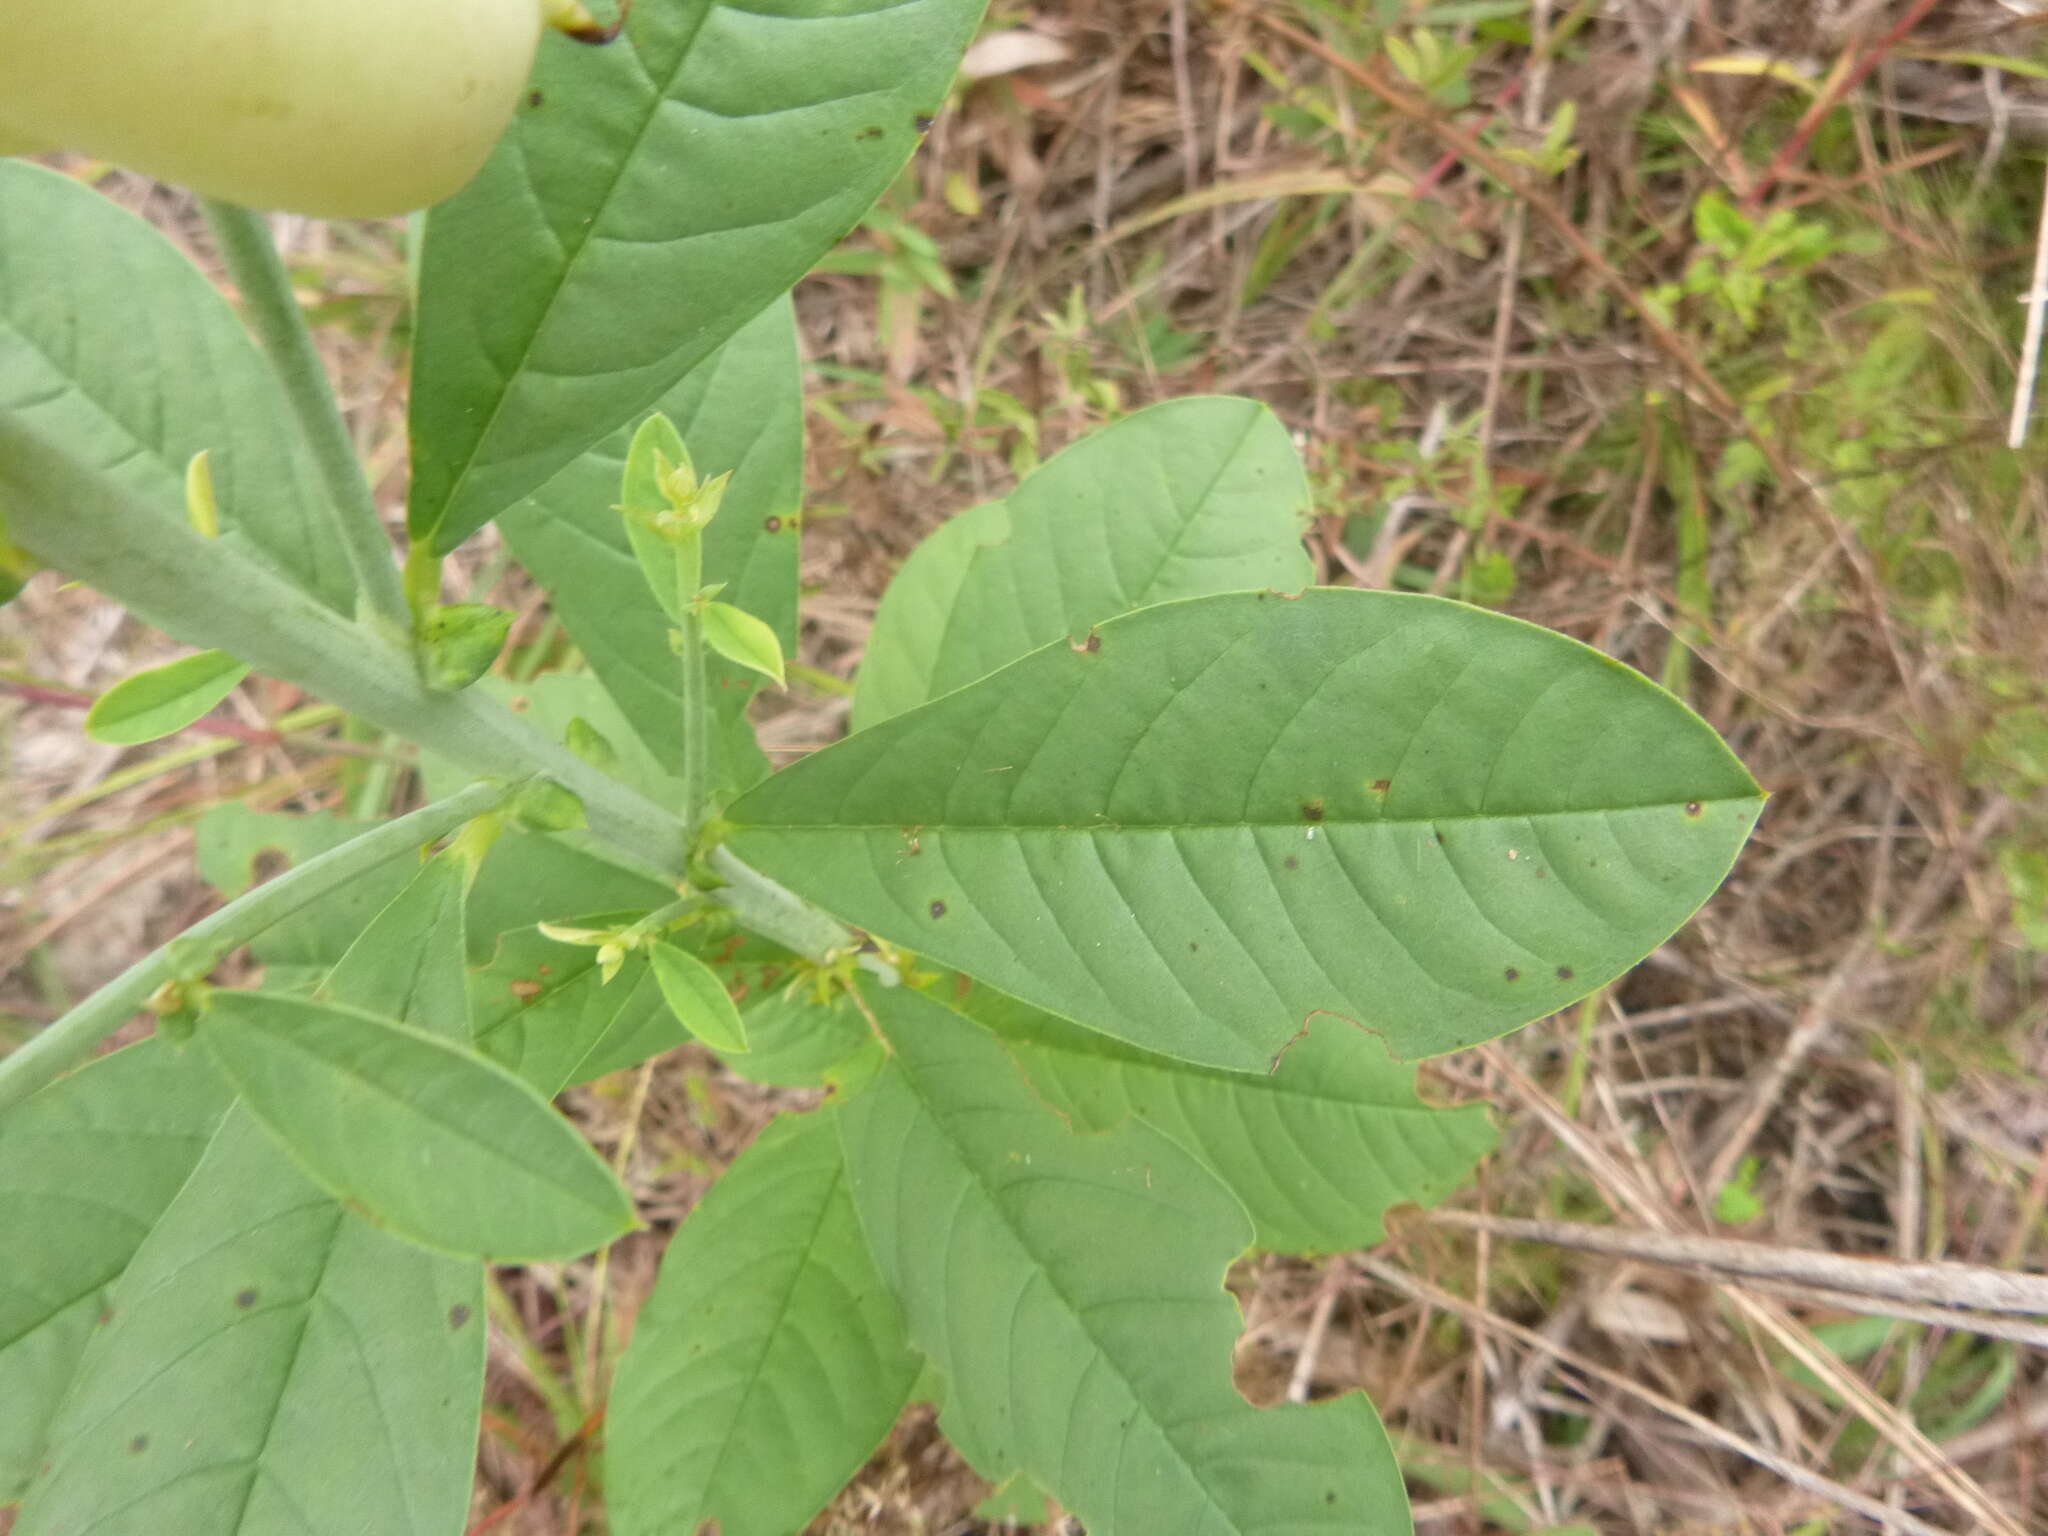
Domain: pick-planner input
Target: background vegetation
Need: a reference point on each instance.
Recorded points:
(1685, 326)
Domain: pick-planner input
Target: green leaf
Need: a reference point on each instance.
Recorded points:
(1189, 497)
(272, 1363)
(87, 1166)
(1223, 820)
(795, 1041)
(441, 1147)
(1069, 1287)
(408, 965)
(770, 1360)
(739, 637)
(741, 411)
(542, 1012)
(655, 446)
(542, 805)
(460, 642)
(1316, 1151)
(160, 700)
(651, 199)
(163, 371)
(697, 998)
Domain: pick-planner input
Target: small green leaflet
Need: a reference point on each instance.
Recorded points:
(741, 638)
(163, 699)
(460, 642)
(427, 1140)
(698, 998)
(641, 498)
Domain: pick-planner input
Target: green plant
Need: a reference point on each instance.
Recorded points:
(1159, 865)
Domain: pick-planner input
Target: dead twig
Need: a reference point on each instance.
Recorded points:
(1876, 1512)
(1945, 1284)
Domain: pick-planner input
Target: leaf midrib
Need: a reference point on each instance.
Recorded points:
(1327, 824)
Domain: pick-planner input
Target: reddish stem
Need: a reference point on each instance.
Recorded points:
(1828, 99)
(211, 725)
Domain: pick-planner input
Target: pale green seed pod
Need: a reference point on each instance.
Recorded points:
(337, 108)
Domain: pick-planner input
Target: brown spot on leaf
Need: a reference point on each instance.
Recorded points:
(1564, 973)
(938, 909)
(1311, 810)
(1381, 786)
(773, 525)
(526, 991)
(1087, 647)
(1291, 862)
(246, 1298)
(923, 122)
(1692, 807)
(1513, 974)
(534, 98)
(138, 1445)
(458, 1315)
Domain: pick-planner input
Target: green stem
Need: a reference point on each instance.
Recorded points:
(72, 1039)
(660, 918)
(697, 722)
(208, 595)
(280, 325)
(774, 911)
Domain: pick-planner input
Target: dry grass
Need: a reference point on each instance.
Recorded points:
(1199, 196)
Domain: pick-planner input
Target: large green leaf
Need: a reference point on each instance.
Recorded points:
(437, 1145)
(114, 345)
(271, 1364)
(1192, 496)
(1070, 1288)
(86, 1167)
(651, 198)
(1316, 1151)
(769, 1361)
(740, 411)
(542, 1009)
(1218, 822)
